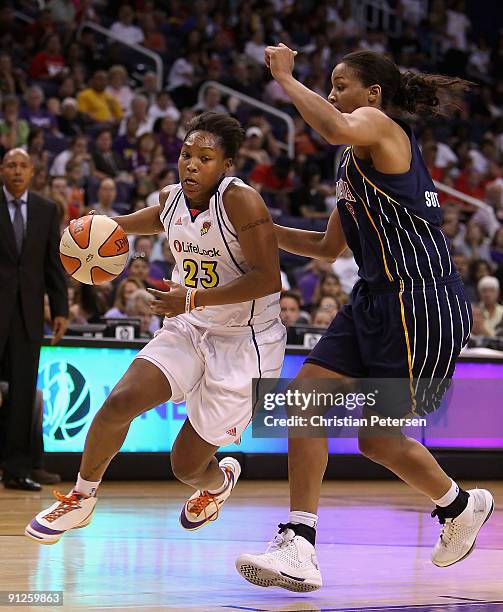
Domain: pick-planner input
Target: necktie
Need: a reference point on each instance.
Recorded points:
(18, 225)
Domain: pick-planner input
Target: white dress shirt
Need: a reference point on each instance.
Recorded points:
(12, 207)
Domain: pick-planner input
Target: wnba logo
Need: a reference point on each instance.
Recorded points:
(67, 401)
(177, 245)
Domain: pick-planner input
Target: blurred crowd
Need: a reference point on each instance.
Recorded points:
(104, 135)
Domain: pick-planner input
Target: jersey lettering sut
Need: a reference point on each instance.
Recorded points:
(409, 316)
(207, 254)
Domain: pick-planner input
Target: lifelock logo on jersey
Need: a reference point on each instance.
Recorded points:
(431, 198)
(189, 247)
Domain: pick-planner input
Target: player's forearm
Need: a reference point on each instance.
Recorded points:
(315, 110)
(145, 221)
(251, 286)
(302, 242)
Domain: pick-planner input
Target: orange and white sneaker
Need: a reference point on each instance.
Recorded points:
(204, 507)
(71, 511)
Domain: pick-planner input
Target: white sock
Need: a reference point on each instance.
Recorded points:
(86, 487)
(449, 497)
(223, 487)
(303, 518)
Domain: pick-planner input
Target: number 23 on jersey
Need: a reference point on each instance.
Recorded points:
(204, 273)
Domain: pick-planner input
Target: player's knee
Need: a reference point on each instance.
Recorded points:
(117, 409)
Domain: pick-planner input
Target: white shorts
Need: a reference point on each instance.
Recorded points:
(213, 371)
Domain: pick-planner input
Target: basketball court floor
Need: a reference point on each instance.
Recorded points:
(374, 543)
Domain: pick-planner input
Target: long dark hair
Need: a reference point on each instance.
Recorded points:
(415, 93)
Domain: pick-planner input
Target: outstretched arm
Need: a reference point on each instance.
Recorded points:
(327, 245)
(365, 126)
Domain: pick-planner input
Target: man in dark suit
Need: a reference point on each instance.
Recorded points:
(29, 268)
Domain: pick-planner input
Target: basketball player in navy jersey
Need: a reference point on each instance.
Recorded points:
(408, 318)
(221, 330)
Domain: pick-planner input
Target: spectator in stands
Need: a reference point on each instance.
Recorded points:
(49, 64)
(12, 80)
(166, 177)
(143, 245)
(274, 182)
(497, 247)
(163, 107)
(119, 88)
(14, 131)
(479, 327)
(291, 313)
(35, 147)
(212, 101)
(71, 123)
(59, 193)
(40, 182)
(63, 12)
(346, 270)
(329, 304)
(308, 200)
(252, 153)
(33, 112)
(76, 195)
(107, 163)
(77, 149)
(182, 79)
(489, 292)
(107, 194)
(476, 244)
(329, 284)
(255, 48)
(139, 268)
(138, 305)
(154, 38)
(124, 27)
(139, 110)
(125, 145)
(149, 88)
(477, 270)
(125, 290)
(145, 153)
(166, 130)
(161, 269)
(321, 318)
(97, 103)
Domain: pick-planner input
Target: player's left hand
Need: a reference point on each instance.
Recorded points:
(59, 326)
(168, 303)
(280, 61)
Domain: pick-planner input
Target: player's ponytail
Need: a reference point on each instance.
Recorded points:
(411, 92)
(425, 94)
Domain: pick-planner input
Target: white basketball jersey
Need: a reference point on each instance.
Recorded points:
(207, 254)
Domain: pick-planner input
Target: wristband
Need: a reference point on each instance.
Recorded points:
(188, 299)
(192, 300)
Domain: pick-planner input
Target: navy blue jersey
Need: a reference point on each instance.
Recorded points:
(392, 221)
(408, 317)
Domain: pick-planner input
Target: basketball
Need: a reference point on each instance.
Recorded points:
(94, 249)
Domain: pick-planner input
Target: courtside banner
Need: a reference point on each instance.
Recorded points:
(346, 408)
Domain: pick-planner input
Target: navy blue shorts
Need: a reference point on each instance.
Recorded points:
(412, 333)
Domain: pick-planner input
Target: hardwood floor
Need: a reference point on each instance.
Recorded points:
(374, 543)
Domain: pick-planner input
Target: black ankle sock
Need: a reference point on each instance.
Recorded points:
(309, 533)
(452, 510)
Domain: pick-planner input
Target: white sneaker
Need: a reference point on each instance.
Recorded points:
(458, 536)
(289, 562)
(203, 507)
(71, 511)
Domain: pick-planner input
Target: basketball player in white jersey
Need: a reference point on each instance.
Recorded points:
(221, 330)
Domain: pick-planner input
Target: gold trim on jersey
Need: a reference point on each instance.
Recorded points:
(400, 294)
(386, 269)
(366, 178)
(407, 342)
